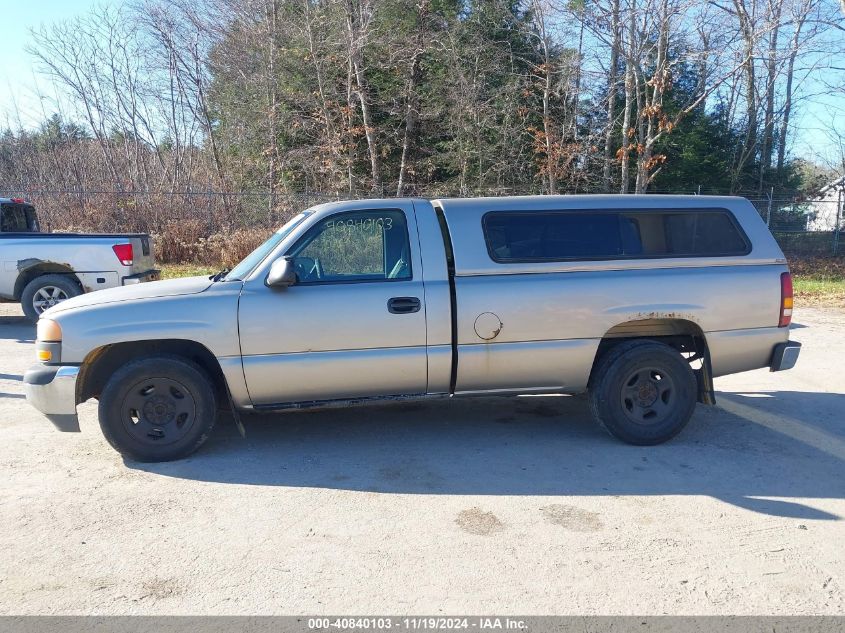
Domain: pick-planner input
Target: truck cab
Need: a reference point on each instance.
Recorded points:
(16, 216)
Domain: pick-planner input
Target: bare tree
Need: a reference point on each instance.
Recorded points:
(800, 12)
(179, 28)
(419, 46)
(774, 11)
(631, 56)
(359, 14)
(612, 91)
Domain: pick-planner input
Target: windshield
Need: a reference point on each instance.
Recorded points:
(252, 260)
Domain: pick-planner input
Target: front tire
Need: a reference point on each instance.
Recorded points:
(643, 392)
(157, 409)
(44, 292)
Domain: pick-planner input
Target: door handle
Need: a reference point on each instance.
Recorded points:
(403, 305)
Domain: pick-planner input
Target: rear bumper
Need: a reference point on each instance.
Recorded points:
(148, 275)
(785, 355)
(52, 390)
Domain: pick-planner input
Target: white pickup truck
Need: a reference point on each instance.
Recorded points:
(639, 300)
(41, 270)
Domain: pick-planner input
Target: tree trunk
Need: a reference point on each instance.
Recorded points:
(548, 128)
(272, 102)
(357, 56)
(703, 70)
(576, 101)
(412, 100)
(775, 9)
(653, 123)
(750, 143)
(611, 96)
(332, 138)
(350, 136)
(630, 69)
(787, 97)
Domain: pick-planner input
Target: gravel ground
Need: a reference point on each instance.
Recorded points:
(474, 506)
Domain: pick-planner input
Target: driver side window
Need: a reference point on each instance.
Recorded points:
(355, 246)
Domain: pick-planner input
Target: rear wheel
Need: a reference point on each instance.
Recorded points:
(643, 392)
(157, 409)
(43, 292)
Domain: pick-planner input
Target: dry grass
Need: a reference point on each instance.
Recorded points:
(819, 281)
(217, 230)
(174, 271)
(185, 242)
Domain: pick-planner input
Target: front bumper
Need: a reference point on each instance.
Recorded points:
(148, 275)
(52, 390)
(785, 355)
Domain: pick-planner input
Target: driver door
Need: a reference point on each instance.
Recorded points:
(352, 326)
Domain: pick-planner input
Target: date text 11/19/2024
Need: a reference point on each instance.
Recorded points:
(417, 623)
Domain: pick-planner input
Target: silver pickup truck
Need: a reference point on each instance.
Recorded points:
(42, 269)
(639, 300)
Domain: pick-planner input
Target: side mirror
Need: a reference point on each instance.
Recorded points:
(282, 273)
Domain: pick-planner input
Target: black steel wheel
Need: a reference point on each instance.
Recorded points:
(647, 395)
(643, 392)
(157, 409)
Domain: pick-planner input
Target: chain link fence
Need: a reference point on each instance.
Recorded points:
(213, 226)
(199, 227)
(154, 211)
(808, 228)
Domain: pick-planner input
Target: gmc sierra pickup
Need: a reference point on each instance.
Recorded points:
(639, 300)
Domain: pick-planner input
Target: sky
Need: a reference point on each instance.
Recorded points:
(18, 75)
(20, 84)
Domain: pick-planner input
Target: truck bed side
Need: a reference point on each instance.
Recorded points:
(539, 325)
(91, 258)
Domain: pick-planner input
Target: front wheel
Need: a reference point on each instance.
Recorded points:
(643, 392)
(157, 409)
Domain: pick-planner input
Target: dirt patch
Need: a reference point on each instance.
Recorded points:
(476, 521)
(159, 589)
(572, 518)
(821, 298)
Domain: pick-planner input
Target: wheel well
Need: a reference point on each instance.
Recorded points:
(104, 361)
(44, 268)
(683, 335)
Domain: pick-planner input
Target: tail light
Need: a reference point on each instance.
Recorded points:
(124, 253)
(785, 300)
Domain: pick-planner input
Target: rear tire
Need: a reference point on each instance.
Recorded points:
(46, 291)
(157, 409)
(643, 392)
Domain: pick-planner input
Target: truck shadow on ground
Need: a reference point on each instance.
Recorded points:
(17, 328)
(753, 446)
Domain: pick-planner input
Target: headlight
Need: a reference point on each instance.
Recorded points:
(48, 331)
(48, 343)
